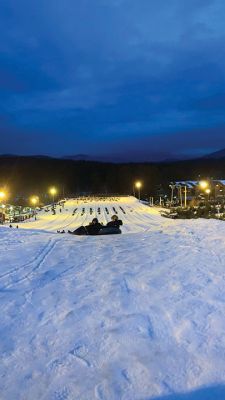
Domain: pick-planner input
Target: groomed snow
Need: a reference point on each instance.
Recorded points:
(136, 316)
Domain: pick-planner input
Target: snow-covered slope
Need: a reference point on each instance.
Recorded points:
(136, 216)
(136, 316)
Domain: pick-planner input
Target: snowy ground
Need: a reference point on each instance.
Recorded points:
(136, 316)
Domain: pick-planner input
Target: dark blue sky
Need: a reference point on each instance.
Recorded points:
(132, 78)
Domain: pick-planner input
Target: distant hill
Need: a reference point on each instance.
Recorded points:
(77, 157)
(216, 155)
(126, 158)
(86, 157)
(19, 156)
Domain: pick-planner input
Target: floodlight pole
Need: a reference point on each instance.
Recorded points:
(2, 219)
(172, 186)
(185, 196)
(180, 195)
(171, 194)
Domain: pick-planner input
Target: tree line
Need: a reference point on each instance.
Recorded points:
(26, 175)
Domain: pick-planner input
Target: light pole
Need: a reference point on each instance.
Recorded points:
(3, 207)
(179, 187)
(185, 196)
(138, 185)
(34, 201)
(2, 197)
(172, 186)
(180, 194)
(204, 185)
(53, 192)
(208, 191)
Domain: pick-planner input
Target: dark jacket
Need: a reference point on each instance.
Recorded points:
(93, 229)
(115, 224)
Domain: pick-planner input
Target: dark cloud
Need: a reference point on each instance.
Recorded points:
(101, 75)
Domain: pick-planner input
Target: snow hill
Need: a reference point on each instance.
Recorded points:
(136, 216)
(136, 316)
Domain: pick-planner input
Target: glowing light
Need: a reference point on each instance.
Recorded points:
(34, 200)
(208, 191)
(138, 185)
(203, 184)
(2, 195)
(52, 191)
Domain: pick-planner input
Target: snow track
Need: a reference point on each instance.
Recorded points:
(136, 217)
(136, 316)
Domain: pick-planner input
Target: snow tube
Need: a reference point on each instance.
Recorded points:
(108, 230)
(81, 231)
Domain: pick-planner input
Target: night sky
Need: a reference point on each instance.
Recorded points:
(126, 79)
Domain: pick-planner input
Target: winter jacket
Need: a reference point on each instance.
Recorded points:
(115, 224)
(93, 229)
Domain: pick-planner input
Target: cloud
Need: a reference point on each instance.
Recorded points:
(112, 71)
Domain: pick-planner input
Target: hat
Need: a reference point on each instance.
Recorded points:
(114, 217)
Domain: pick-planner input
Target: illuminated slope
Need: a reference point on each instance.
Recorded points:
(136, 216)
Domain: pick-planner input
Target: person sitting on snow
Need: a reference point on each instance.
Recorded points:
(115, 222)
(92, 229)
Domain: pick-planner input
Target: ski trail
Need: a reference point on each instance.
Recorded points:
(34, 265)
(137, 217)
(27, 264)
